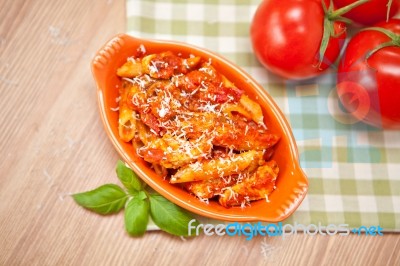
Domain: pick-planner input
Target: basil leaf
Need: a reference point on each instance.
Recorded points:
(170, 217)
(105, 199)
(128, 178)
(141, 195)
(136, 216)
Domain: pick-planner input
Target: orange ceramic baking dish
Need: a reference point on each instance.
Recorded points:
(291, 185)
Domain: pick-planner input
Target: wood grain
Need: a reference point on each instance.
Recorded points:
(53, 144)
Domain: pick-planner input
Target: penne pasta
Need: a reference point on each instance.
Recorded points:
(256, 187)
(253, 108)
(130, 69)
(216, 168)
(126, 124)
(196, 128)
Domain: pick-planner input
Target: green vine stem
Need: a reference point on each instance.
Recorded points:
(343, 10)
(389, 4)
(394, 40)
(330, 17)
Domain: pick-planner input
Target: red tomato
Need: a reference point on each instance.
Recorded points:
(371, 12)
(286, 37)
(370, 88)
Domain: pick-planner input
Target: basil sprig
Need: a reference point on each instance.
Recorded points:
(138, 202)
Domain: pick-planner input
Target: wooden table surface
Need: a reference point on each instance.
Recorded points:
(53, 144)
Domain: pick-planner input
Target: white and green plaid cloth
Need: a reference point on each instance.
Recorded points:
(353, 169)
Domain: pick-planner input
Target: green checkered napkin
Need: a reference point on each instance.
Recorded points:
(353, 169)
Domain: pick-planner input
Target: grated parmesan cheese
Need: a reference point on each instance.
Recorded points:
(180, 104)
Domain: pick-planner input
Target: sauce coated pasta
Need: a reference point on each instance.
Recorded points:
(196, 128)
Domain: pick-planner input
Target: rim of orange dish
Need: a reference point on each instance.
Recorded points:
(291, 184)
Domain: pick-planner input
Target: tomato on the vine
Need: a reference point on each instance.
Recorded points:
(368, 82)
(371, 12)
(298, 39)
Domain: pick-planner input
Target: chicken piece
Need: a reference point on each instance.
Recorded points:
(215, 168)
(190, 125)
(194, 81)
(256, 187)
(240, 134)
(165, 65)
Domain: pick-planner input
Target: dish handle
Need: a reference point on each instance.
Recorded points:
(104, 57)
